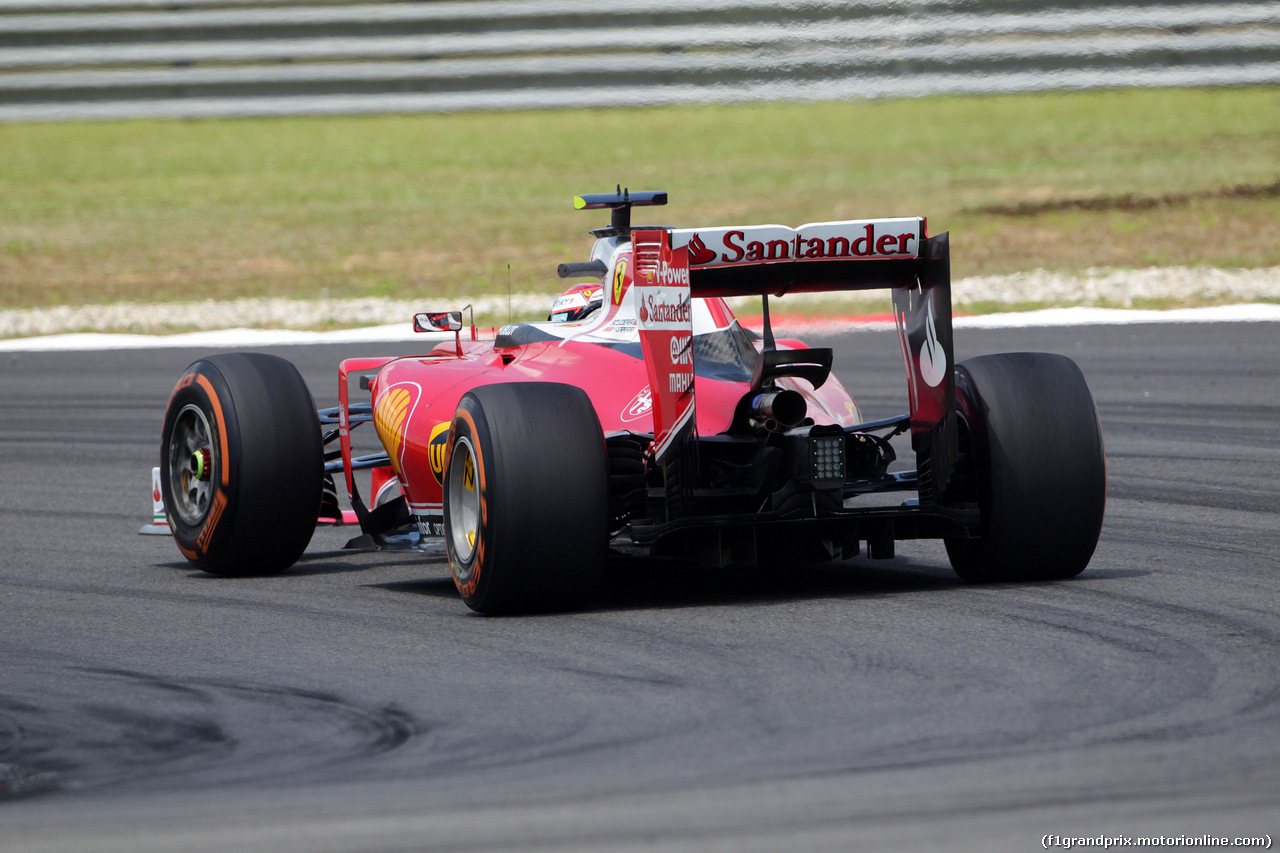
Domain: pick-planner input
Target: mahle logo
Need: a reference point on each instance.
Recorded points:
(437, 448)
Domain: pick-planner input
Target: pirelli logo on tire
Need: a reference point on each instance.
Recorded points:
(211, 524)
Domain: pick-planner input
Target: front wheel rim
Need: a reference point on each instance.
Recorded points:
(464, 501)
(192, 461)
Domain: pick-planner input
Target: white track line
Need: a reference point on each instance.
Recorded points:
(401, 332)
(1082, 316)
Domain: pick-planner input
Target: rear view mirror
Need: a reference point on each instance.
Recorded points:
(438, 321)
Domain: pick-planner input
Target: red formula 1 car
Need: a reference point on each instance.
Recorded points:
(643, 413)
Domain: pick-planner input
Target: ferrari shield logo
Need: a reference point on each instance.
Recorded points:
(619, 279)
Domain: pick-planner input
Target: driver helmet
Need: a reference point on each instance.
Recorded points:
(577, 302)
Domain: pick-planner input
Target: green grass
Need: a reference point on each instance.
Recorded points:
(437, 205)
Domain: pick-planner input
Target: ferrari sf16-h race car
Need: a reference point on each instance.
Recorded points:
(644, 415)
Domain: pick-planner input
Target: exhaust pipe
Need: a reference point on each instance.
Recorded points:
(779, 409)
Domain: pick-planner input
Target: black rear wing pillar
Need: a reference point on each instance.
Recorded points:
(923, 315)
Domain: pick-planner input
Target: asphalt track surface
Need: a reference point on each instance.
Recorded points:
(355, 704)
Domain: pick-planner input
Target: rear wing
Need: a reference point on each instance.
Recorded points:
(821, 256)
(773, 260)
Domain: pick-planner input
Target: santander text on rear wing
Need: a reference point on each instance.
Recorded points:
(775, 259)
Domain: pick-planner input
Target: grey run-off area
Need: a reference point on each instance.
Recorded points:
(353, 703)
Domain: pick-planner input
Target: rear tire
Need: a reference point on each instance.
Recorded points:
(1038, 468)
(526, 498)
(241, 464)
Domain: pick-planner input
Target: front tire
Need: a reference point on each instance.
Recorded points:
(526, 499)
(1037, 468)
(241, 464)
